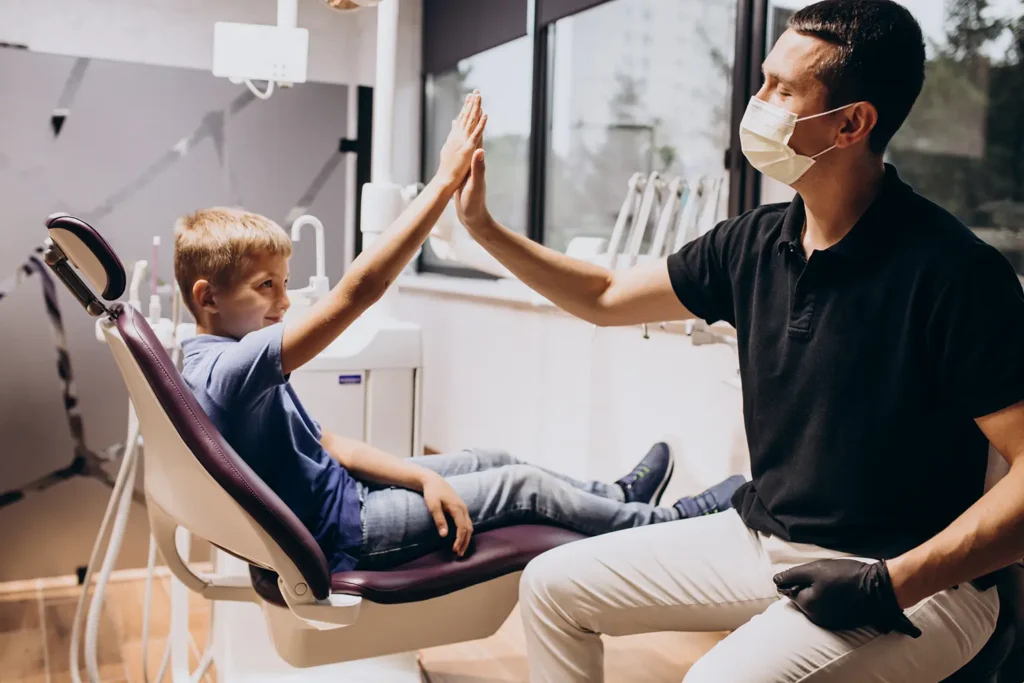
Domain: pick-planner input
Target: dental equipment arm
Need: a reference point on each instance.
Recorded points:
(376, 268)
(596, 294)
(988, 536)
(368, 463)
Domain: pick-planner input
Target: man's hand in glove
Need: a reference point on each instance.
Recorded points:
(845, 594)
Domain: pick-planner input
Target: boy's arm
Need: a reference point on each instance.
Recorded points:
(375, 269)
(598, 295)
(372, 464)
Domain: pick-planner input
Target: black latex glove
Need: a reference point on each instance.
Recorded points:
(846, 594)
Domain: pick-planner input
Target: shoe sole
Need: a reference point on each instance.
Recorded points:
(663, 484)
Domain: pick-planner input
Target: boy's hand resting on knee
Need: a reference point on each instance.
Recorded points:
(845, 594)
(441, 498)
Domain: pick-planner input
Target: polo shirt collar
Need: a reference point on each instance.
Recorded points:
(861, 241)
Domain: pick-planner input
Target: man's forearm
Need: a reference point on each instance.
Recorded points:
(987, 537)
(573, 285)
(372, 464)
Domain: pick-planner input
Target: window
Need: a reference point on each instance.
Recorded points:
(962, 145)
(503, 75)
(607, 122)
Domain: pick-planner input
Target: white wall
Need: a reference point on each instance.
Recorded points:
(548, 389)
(180, 32)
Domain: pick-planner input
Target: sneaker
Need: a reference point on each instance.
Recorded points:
(647, 481)
(718, 498)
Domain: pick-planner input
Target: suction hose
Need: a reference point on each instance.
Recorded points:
(115, 503)
(116, 537)
(165, 659)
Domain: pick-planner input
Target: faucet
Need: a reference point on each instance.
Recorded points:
(319, 285)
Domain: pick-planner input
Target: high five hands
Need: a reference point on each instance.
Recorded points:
(463, 140)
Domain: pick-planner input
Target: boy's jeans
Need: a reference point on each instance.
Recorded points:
(499, 491)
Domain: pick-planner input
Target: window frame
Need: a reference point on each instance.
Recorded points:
(744, 181)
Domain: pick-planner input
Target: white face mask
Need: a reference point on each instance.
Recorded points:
(764, 138)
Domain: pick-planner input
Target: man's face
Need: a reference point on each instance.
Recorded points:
(790, 83)
(260, 299)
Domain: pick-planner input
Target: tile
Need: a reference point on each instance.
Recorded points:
(199, 618)
(19, 615)
(645, 658)
(126, 601)
(111, 673)
(38, 678)
(132, 653)
(58, 617)
(22, 654)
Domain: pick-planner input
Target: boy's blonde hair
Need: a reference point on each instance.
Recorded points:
(214, 244)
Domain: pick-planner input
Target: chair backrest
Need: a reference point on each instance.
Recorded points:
(191, 473)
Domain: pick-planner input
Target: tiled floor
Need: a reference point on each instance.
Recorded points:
(35, 636)
(648, 658)
(35, 631)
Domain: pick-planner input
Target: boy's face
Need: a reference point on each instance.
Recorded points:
(260, 299)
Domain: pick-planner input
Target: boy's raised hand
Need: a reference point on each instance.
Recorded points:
(464, 139)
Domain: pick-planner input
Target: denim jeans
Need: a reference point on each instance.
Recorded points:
(499, 491)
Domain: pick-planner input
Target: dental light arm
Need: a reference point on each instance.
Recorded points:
(278, 55)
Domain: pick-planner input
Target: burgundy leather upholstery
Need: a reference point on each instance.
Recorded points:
(492, 554)
(116, 276)
(216, 456)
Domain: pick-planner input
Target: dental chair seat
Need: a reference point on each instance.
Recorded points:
(492, 554)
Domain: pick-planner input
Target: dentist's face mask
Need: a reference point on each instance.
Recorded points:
(764, 138)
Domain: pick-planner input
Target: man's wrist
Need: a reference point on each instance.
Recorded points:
(483, 224)
(900, 578)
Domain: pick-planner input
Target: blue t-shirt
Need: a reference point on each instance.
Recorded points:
(241, 386)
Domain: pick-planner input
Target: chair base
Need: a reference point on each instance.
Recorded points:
(248, 655)
(468, 614)
(244, 651)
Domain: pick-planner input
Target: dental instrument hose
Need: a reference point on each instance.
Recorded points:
(112, 504)
(165, 658)
(116, 537)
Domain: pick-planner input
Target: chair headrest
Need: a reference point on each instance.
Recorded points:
(90, 253)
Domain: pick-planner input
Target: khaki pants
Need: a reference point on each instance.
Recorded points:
(714, 574)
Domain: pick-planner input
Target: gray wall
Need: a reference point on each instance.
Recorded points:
(124, 118)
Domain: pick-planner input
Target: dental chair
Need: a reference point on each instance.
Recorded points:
(195, 480)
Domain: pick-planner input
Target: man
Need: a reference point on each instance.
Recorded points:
(880, 351)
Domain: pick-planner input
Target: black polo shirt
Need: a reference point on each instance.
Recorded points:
(863, 366)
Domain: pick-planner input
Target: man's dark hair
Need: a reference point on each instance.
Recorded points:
(878, 57)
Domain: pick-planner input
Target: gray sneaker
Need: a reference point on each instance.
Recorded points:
(718, 498)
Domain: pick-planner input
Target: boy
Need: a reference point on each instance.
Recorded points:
(364, 506)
